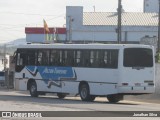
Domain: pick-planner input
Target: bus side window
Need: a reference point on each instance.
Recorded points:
(39, 58)
(31, 57)
(97, 58)
(86, 59)
(45, 57)
(92, 58)
(114, 59)
(78, 58)
(52, 57)
(70, 58)
(65, 52)
(21, 60)
(111, 59)
(55, 57)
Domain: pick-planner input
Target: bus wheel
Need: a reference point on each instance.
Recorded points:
(114, 98)
(84, 93)
(33, 89)
(61, 95)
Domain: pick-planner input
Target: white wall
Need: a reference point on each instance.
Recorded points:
(41, 38)
(137, 36)
(93, 36)
(74, 19)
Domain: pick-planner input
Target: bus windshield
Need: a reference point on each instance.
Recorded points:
(138, 57)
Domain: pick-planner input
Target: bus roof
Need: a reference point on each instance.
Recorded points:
(83, 46)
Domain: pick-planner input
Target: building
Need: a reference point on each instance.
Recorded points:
(38, 35)
(151, 6)
(84, 27)
(101, 26)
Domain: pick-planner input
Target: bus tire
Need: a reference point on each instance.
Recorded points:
(84, 92)
(61, 95)
(114, 98)
(33, 89)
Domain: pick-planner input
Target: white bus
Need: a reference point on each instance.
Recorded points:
(88, 70)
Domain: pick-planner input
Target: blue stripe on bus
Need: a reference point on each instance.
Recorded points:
(52, 73)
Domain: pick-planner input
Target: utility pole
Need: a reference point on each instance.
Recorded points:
(4, 60)
(119, 21)
(158, 43)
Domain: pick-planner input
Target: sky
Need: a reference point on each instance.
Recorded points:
(15, 15)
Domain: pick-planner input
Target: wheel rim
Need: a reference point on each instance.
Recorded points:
(84, 92)
(33, 88)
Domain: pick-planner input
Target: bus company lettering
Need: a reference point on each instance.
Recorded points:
(54, 71)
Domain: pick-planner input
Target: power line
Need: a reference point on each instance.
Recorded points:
(22, 31)
(40, 23)
(26, 14)
(24, 25)
(11, 28)
(7, 27)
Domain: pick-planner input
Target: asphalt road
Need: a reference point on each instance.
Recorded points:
(21, 101)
